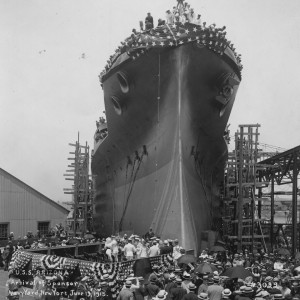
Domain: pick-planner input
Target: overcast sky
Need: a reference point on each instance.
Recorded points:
(52, 51)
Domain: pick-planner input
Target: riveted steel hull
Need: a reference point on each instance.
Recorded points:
(163, 160)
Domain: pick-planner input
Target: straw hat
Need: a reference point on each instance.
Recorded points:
(152, 278)
(128, 284)
(226, 293)
(172, 277)
(186, 275)
(203, 296)
(178, 280)
(264, 294)
(162, 294)
(268, 279)
(192, 287)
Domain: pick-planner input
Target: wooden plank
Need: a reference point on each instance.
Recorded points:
(249, 220)
(236, 199)
(248, 243)
(257, 184)
(248, 236)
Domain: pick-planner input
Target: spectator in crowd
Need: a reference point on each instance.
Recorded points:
(169, 17)
(126, 294)
(198, 20)
(178, 292)
(143, 249)
(152, 288)
(27, 245)
(176, 250)
(114, 248)
(149, 235)
(38, 234)
(6, 256)
(39, 284)
(285, 291)
(153, 250)
(149, 21)
(204, 286)
(129, 250)
(161, 22)
(13, 285)
(191, 295)
(186, 281)
(166, 248)
(215, 291)
(11, 236)
(108, 252)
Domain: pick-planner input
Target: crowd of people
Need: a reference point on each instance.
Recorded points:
(180, 15)
(135, 247)
(260, 275)
(56, 231)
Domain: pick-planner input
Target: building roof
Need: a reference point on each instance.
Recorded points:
(40, 195)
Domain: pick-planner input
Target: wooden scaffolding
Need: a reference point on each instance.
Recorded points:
(81, 221)
(242, 193)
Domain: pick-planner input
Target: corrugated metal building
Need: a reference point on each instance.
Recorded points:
(24, 209)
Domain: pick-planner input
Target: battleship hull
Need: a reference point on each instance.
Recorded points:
(162, 162)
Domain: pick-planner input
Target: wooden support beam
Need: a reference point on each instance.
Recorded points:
(272, 211)
(294, 205)
(256, 236)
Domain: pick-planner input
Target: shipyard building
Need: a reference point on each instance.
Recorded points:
(23, 209)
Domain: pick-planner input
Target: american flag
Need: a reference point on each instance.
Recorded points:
(19, 260)
(170, 36)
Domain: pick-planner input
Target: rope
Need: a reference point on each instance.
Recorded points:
(198, 172)
(126, 198)
(129, 192)
(125, 181)
(174, 37)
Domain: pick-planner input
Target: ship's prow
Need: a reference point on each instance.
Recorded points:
(167, 107)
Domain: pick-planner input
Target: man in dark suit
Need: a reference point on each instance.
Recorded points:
(166, 248)
(177, 292)
(152, 288)
(149, 20)
(171, 284)
(191, 295)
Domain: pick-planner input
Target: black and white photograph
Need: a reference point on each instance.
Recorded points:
(150, 149)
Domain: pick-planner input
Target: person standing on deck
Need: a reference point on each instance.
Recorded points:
(149, 20)
(129, 250)
(154, 250)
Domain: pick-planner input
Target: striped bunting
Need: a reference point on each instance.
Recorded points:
(165, 260)
(52, 262)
